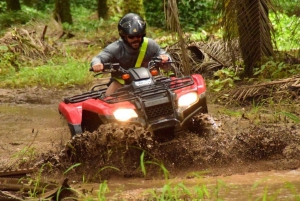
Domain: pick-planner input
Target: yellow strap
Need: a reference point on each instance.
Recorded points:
(142, 53)
(121, 81)
(139, 59)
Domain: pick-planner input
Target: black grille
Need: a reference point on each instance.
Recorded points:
(159, 110)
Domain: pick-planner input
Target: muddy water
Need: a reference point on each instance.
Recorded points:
(36, 126)
(40, 127)
(271, 185)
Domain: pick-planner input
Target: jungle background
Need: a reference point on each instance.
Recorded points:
(227, 41)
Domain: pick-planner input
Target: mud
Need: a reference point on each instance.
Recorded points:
(275, 148)
(217, 143)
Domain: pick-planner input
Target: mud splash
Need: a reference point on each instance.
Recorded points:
(116, 149)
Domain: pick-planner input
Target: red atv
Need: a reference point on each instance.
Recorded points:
(158, 103)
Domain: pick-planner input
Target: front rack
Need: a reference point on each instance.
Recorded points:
(161, 86)
(87, 95)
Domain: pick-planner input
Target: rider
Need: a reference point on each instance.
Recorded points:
(133, 49)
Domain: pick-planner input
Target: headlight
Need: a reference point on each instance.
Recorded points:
(124, 114)
(187, 99)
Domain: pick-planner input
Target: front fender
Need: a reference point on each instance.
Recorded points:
(71, 112)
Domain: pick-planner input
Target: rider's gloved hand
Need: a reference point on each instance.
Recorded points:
(98, 67)
(164, 65)
(164, 58)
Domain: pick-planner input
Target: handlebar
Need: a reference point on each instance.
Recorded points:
(114, 67)
(156, 63)
(109, 67)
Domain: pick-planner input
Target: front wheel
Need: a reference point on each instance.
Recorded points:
(204, 125)
(87, 146)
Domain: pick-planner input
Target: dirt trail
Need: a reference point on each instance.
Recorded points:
(237, 145)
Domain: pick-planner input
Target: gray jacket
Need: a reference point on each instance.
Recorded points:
(119, 52)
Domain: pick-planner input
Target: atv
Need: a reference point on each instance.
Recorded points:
(159, 103)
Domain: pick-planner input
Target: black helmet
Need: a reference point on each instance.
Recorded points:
(132, 24)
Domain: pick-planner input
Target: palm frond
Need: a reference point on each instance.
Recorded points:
(215, 55)
(255, 32)
(28, 46)
(282, 88)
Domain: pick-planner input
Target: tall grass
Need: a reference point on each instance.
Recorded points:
(161, 165)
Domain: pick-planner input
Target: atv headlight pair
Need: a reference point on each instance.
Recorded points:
(187, 99)
(124, 114)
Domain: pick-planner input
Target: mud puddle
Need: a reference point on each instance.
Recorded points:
(32, 129)
(276, 185)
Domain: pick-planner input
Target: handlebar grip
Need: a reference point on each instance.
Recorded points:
(107, 67)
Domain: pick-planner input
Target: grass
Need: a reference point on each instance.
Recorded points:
(102, 190)
(199, 188)
(161, 165)
(71, 73)
(71, 168)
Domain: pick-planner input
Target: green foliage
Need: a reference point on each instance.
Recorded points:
(155, 13)
(225, 78)
(2, 6)
(71, 73)
(11, 19)
(72, 167)
(87, 25)
(83, 21)
(104, 168)
(180, 191)
(287, 31)
(276, 69)
(193, 14)
(103, 189)
(136, 7)
(33, 193)
(26, 155)
(161, 165)
(8, 61)
(88, 4)
(291, 116)
(289, 7)
(233, 113)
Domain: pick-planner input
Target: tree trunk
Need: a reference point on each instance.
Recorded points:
(62, 11)
(13, 5)
(173, 24)
(254, 32)
(102, 9)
